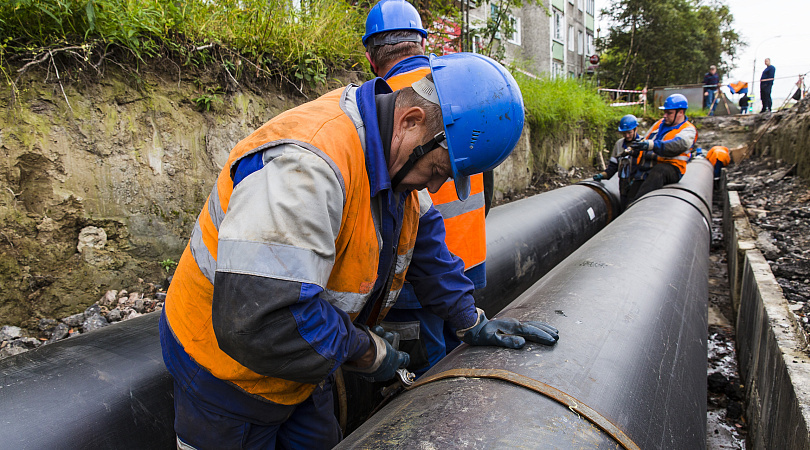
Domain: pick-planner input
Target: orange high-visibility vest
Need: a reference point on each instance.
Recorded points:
(718, 153)
(464, 222)
(680, 160)
(323, 125)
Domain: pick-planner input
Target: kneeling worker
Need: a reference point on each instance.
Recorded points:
(719, 157)
(660, 158)
(305, 242)
(620, 160)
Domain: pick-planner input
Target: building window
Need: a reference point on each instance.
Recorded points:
(590, 50)
(557, 69)
(558, 27)
(590, 7)
(514, 38)
(580, 4)
(571, 38)
(477, 44)
(580, 43)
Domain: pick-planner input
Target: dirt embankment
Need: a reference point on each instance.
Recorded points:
(131, 155)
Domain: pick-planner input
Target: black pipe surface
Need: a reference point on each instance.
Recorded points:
(105, 389)
(629, 369)
(528, 237)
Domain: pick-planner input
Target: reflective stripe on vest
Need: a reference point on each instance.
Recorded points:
(322, 127)
(680, 160)
(464, 222)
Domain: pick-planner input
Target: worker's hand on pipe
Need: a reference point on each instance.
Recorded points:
(510, 333)
(381, 361)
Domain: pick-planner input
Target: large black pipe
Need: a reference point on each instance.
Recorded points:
(629, 369)
(109, 389)
(527, 238)
(105, 389)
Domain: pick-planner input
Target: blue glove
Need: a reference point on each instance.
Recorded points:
(599, 177)
(387, 358)
(509, 333)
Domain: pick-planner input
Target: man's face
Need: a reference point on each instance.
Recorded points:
(430, 172)
(669, 116)
(712, 71)
(629, 135)
(767, 61)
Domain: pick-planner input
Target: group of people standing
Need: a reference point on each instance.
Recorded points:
(711, 89)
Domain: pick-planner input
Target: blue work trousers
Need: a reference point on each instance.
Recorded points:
(213, 414)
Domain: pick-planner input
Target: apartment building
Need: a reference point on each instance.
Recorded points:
(557, 39)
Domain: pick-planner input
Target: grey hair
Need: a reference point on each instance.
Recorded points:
(433, 113)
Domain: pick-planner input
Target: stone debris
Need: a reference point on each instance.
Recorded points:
(114, 306)
(777, 203)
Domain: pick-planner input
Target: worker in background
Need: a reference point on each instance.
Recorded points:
(395, 47)
(305, 241)
(620, 159)
(719, 157)
(660, 158)
(766, 84)
(711, 84)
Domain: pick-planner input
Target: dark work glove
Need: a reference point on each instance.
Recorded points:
(387, 359)
(509, 333)
(641, 145)
(649, 156)
(600, 176)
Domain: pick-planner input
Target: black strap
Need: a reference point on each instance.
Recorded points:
(417, 153)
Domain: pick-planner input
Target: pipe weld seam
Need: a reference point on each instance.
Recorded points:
(553, 393)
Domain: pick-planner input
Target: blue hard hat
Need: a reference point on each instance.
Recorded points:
(393, 15)
(675, 101)
(628, 123)
(482, 110)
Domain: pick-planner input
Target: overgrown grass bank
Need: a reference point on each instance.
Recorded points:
(300, 40)
(562, 103)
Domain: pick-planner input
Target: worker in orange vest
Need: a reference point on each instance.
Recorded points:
(395, 47)
(304, 243)
(660, 158)
(719, 157)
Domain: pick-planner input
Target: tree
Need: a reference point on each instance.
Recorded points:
(655, 43)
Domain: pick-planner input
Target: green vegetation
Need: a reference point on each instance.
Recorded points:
(168, 264)
(263, 37)
(563, 103)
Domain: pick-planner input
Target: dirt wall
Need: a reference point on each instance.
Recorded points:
(786, 135)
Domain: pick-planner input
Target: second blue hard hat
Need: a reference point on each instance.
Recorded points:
(628, 123)
(393, 15)
(675, 101)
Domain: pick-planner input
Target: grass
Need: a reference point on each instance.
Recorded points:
(271, 36)
(559, 104)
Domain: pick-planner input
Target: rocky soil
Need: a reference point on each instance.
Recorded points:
(114, 306)
(777, 203)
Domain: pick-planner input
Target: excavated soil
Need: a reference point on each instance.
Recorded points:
(777, 203)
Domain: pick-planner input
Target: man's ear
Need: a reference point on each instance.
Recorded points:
(373, 66)
(412, 119)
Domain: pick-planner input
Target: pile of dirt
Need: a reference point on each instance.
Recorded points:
(777, 203)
